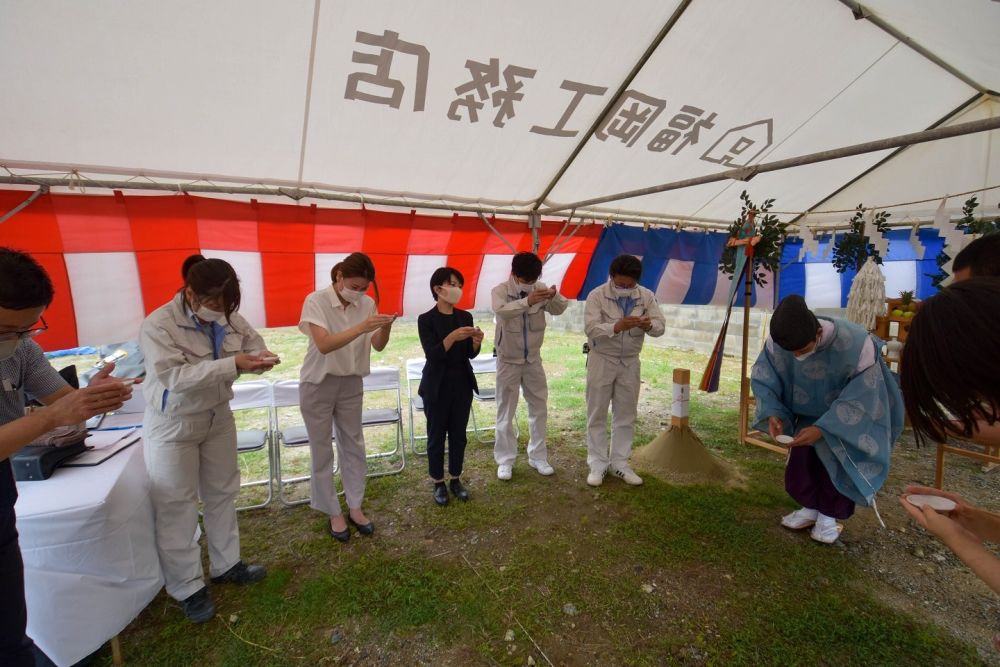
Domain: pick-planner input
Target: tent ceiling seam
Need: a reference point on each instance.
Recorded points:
(805, 122)
(941, 121)
(309, 84)
(612, 101)
(862, 12)
(744, 173)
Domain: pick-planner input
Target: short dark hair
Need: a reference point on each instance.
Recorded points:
(942, 377)
(213, 278)
(23, 282)
(626, 265)
(526, 265)
(981, 257)
(443, 276)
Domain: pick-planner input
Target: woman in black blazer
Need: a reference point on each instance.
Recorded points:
(449, 340)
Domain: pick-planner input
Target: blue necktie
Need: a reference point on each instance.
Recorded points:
(215, 332)
(218, 335)
(626, 303)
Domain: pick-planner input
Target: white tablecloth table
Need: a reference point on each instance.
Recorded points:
(90, 563)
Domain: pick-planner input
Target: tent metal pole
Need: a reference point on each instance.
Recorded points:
(23, 205)
(746, 173)
(861, 12)
(496, 232)
(535, 225)
(555, 241)
(556, 248)
(613, 100)
(299, 194)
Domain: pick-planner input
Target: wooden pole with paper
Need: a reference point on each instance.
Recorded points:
(747, 241)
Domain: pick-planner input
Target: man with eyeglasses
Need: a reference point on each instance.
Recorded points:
(25, 292)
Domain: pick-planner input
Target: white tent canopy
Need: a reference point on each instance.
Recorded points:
(492, 103)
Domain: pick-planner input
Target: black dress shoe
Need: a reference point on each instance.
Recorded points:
(199, 607)
(339, 535)
(365, 529)
(241, 573)
(440, 494)
(458, 490)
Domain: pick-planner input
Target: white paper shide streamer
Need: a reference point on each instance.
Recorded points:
(810, 244)
(918, 247)
(866, 300)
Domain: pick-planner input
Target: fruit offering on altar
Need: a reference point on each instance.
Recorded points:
(904, 307)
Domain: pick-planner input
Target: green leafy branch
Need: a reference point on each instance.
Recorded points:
(851, 249)
(772, 233)
(970, 225)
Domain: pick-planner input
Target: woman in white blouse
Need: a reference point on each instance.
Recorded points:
(343, 325)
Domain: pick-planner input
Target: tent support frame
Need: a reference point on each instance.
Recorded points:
(861, 12)
(42, 189)
(298, 194)
(944, 119)
(746, 173)
(496, 232)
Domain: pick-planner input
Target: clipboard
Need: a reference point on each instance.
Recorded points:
(107, 445)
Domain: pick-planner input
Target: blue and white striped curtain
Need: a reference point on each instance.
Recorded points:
(816, 279)
(683, 267)
(679, 267)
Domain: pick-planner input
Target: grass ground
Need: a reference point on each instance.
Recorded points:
(548, 570)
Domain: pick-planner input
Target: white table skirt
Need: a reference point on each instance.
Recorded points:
(90, 562)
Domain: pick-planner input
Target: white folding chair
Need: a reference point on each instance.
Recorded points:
(484, 366)
(385, 379)
(255, 395)
(286, 395)
(415, 371)
(127, 416)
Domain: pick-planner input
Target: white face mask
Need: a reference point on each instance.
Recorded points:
(803, 357)
(8, 347)
(451, 295)
(209, 315)
(350, 295)
(524, 287)
(622, 291)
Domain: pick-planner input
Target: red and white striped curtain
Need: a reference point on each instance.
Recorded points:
(114, 259)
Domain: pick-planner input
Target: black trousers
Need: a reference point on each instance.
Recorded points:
(447, 417)
(15, 647)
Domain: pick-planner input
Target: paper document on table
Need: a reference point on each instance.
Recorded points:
(105, 445)
(116, 421)
(103, 439)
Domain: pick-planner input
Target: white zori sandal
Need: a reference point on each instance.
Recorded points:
(799, 519)
(826, 530)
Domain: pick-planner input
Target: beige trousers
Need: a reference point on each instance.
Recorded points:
(190, 457)
(511, 379)
(610, 381)
(335, 402)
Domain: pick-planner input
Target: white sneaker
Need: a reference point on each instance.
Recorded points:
(627, 475)
(542, 467)
(799, 519)
(826, 530)
(505, 471)
(596, 477)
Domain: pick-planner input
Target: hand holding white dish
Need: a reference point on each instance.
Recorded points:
(783, 439)
(936, 503)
